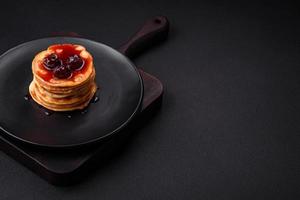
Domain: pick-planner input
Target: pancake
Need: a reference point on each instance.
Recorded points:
(74, 103)
(63, 78)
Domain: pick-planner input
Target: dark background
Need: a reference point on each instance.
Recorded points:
(230, 121)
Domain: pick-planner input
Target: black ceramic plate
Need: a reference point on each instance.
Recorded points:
(120, 96)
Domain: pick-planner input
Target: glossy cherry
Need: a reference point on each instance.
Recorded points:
(62, 72)
(75, 62)
(52, 61)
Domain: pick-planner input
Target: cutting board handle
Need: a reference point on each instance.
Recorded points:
(153, 31)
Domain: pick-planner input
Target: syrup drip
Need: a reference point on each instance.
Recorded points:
(95, 99)
(27, 97)
(48, 113)
(84, 111)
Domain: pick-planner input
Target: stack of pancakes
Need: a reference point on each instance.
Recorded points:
(63, 94)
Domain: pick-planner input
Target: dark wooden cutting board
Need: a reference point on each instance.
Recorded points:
(70, 166)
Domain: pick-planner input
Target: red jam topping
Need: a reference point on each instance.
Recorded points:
(65, 63)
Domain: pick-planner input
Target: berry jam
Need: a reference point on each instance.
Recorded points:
(65, 63)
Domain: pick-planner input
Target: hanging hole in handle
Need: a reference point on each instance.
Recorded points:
(157, 21)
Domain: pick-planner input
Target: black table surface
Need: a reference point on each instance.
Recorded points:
(229, 126)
